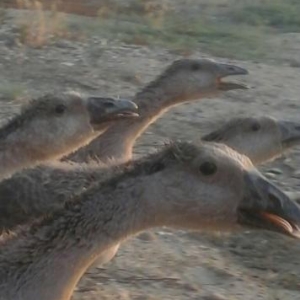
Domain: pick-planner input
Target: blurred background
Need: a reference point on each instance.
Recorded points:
(113, 48)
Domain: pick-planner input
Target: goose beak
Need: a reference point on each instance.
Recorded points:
(290, 133)
(107, 109)
(225, 70)
(265, 206)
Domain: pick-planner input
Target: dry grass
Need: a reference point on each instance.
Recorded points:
(41, 27)
(152, 22)
(228, 28)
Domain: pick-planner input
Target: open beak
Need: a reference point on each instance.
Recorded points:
(290, 133)
(230, 70)
(228, 86)
(265, 206)
(108, 109)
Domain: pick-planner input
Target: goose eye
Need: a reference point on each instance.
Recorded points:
(255, 127)
(60, 109)
(208, 168)
(195, 66)
(158, 167)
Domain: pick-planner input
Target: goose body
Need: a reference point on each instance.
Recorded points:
(181, 186)
(54, 125)
(38, 191)
(184, 80)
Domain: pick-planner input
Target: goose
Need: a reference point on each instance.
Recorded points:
(54, 125)
(184, 80)
(185, 186)
(41, 190)
(261, 138)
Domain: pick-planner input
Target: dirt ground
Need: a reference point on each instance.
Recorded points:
(165, 264)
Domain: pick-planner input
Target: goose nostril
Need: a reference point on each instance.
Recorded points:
(108, 104)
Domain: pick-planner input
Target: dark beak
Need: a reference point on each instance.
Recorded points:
(107, 109)
(228, 86)
(290, 133)
(266, 206)
(230, 70)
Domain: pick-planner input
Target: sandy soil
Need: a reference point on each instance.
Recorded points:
(168, 264)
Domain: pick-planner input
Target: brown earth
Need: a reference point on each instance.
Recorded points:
(166, 264)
